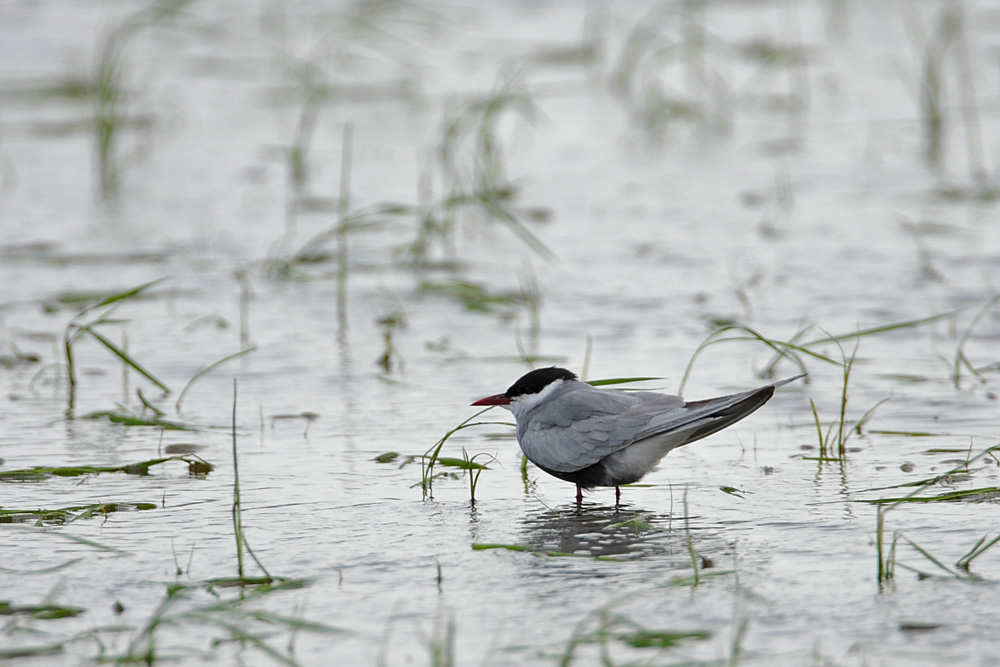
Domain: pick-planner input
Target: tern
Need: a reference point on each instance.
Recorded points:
(606, 437)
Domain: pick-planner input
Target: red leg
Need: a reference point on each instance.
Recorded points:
(579, 494)
(618, 495)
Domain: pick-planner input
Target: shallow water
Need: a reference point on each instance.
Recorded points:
(778, 192)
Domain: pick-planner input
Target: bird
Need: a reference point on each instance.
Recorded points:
(594, 436)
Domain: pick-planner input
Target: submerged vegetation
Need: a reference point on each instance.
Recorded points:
(887, 549)
(196, 466)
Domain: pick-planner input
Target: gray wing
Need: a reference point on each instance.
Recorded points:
(584, 426)
(579, 428)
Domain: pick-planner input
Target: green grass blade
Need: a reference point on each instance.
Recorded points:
(819, 429)
(783, 349)
(659, 638)
(124, 356)
(610, 381)
(208, 369)
(978, 550)
(951, 496)
(865, 418)
(479, 546)
(880, 329)
(121, 296)
(926, 554)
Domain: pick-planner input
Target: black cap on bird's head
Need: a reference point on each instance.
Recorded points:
(530, 383)
(538, 379)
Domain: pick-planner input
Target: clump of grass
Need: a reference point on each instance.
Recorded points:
(432, 457)
(959, 571)
(833, 446)
(961, 360)
(886, 550)
(977, 550)
(64, 515)
(474, 471)
(196, 465)
(77, 329)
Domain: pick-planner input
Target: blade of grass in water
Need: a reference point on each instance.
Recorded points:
(130, 420)
(65, 515)
(43, 611)
(121, 296)
(237, 515)
(960, 358)
(431, 456)
(885, 328)
(74, 331)
(787, 349)
(195, 464)
(886, 558)
(783, 349)
(962, 469)
(978, 550)
(237, 512)
(984, 493)
(124, 356)
(459, 463)
(660, 639)
(208, 369)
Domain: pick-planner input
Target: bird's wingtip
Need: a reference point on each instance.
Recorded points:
(781, 383)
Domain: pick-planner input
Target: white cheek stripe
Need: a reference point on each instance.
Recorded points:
(526, 402)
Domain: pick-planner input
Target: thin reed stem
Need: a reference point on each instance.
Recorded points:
(237, 514)
(342, 224)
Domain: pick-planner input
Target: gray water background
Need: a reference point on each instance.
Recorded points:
(686, 166)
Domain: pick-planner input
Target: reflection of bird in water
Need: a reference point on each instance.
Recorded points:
(600, 531)
(605, 437)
